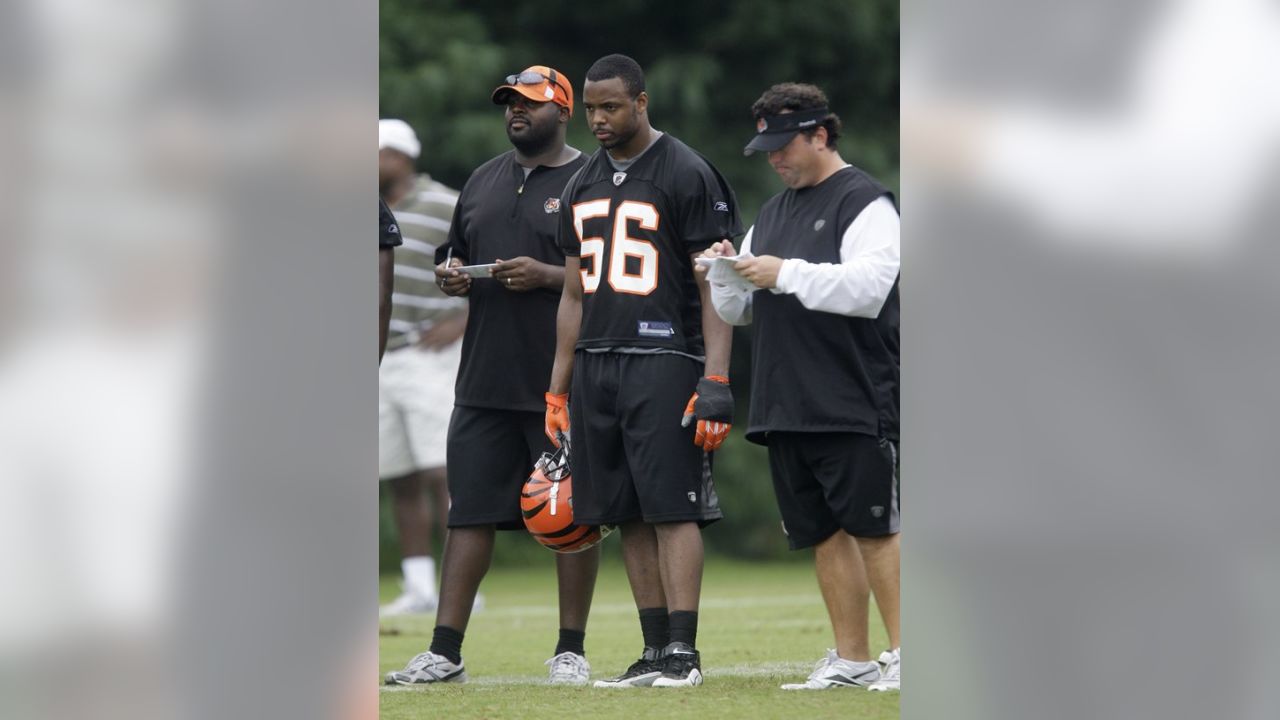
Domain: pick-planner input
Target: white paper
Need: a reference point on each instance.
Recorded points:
(721, 271)
(476, 271)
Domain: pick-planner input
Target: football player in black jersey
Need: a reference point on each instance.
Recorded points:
(640, 356)
(824, 305)
(507, 215)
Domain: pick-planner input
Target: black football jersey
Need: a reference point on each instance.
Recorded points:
(634, 231)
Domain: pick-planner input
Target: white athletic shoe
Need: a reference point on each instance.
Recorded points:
(891, 676)
(834, 671)
(569, 668)
(411, 604)
(408, 604)
(428, 668)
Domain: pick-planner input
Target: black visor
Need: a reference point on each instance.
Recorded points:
(773, 132)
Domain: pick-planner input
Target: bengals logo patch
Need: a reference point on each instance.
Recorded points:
(552, 205)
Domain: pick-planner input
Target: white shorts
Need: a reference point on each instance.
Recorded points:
(415, 400)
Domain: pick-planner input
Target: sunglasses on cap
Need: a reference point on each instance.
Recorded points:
(538, 87)
(529, 77)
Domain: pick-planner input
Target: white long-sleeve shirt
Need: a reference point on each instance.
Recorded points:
(857, 286)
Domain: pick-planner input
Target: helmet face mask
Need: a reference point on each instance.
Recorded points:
(555, 465)
(546, 503)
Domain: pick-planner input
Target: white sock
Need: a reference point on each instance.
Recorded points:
(419, 575)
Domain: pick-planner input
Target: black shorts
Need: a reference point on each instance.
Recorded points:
(831, 481)
(490, 455)
(629, 455)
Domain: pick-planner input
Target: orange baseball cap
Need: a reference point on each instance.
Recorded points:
(540, 84)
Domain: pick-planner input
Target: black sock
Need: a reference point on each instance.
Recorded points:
(653, 623)
(684, 627)
(571, 641)
(447, 642)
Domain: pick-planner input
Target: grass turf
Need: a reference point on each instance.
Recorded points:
(760, 625)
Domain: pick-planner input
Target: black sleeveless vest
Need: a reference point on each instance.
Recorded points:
(817, 371)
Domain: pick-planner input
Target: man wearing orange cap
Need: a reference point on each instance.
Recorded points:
(507, 215)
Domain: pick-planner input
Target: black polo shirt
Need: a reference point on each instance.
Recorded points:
(510, 341)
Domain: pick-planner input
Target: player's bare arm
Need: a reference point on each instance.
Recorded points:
(386, 268)
(568, 324)
(712, 402)
(716, 333)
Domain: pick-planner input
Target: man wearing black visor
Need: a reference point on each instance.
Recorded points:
(825, 310)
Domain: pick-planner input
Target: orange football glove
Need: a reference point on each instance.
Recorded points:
(557, 420)
(712, 405)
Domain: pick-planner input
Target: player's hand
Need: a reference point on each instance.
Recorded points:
(712, 405)
(451, 281)
(762, 270)
(444, 333)
(521, 274)
(557, 419)
(722, 248)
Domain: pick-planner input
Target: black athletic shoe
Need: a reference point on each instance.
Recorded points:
(642, 672)
(682, 667)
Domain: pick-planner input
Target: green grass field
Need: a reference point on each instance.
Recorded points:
(760, 625)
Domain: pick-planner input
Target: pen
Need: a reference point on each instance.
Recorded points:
(448, 257)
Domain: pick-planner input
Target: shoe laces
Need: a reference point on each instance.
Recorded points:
(823, 663)
(649, 660)
(425, 660)
(892, 666)
(567, 664)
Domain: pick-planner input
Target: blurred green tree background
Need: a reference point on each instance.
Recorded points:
(705, 63)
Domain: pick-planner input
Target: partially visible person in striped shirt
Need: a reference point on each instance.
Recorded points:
(421, 312)
(417, 376)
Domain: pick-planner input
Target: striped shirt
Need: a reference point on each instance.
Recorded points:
(418, 303)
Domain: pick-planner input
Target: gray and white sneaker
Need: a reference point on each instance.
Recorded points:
(428, 668)
(891, 675)
(642, 672)
(834, 671)
(409, 603)
(569, 668)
